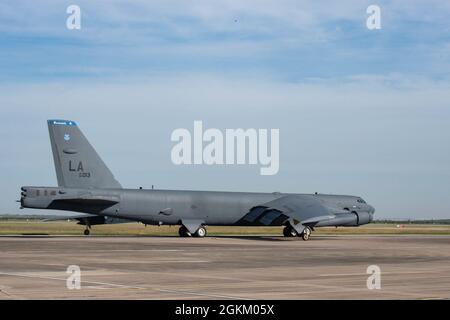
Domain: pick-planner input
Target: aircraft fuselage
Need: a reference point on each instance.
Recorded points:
(172, 206)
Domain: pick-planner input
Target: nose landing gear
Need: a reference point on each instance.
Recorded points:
(288, 231)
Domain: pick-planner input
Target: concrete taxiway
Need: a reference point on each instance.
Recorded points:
(326, 267)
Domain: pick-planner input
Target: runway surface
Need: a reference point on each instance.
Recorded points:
(326, 267)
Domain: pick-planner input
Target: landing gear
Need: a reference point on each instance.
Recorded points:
(201, 232)
(86, 232)
(306, 234)
(288, 231)
(184, 232)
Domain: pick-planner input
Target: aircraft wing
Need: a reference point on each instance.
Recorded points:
(86, 202)
(306, 210)
(89, 200)
(90, 219)
(71, 217)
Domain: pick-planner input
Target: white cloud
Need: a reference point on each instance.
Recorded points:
(140, 19)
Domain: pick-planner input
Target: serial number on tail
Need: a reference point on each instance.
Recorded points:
(80, 169)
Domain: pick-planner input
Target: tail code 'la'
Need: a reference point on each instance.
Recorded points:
(77, 163)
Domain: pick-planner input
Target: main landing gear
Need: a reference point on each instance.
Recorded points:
(86, 232)
(288, 231)
(306, 234)
(184, 232)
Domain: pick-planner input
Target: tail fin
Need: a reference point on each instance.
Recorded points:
(77, 163)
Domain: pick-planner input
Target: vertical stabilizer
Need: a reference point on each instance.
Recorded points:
(77, 163)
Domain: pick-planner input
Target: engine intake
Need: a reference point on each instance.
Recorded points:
(363, 218)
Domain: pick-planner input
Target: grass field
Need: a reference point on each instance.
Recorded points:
(24, 227)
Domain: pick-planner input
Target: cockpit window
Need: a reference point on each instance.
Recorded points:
(360, 200)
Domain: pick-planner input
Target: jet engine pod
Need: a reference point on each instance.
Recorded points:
(91, 221)
(363, 218)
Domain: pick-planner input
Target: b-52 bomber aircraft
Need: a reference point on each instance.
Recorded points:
(87, 186)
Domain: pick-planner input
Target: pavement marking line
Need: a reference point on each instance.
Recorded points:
(354, 289)
(62, 279)
(3, 291)
(305, 284)
(130, 287)
(203, 294)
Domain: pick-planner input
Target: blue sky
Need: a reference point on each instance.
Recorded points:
(359, 111)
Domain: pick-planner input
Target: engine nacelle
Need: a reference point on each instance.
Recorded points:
(363, 218)
(351, 219)
(91, 221)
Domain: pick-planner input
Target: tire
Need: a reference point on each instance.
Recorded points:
(86, 232)
(288, 231)
(201, 232)
(183, 232)
(306, 234)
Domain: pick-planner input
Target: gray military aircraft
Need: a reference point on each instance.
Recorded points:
(86, 185)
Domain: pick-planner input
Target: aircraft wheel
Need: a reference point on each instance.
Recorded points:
(201, 232)
(306, 234)
(288, 231)
(86, 232)
(183, 232)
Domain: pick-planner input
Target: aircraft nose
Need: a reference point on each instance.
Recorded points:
(371, 209)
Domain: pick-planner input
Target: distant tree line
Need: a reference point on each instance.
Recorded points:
(413, 221)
